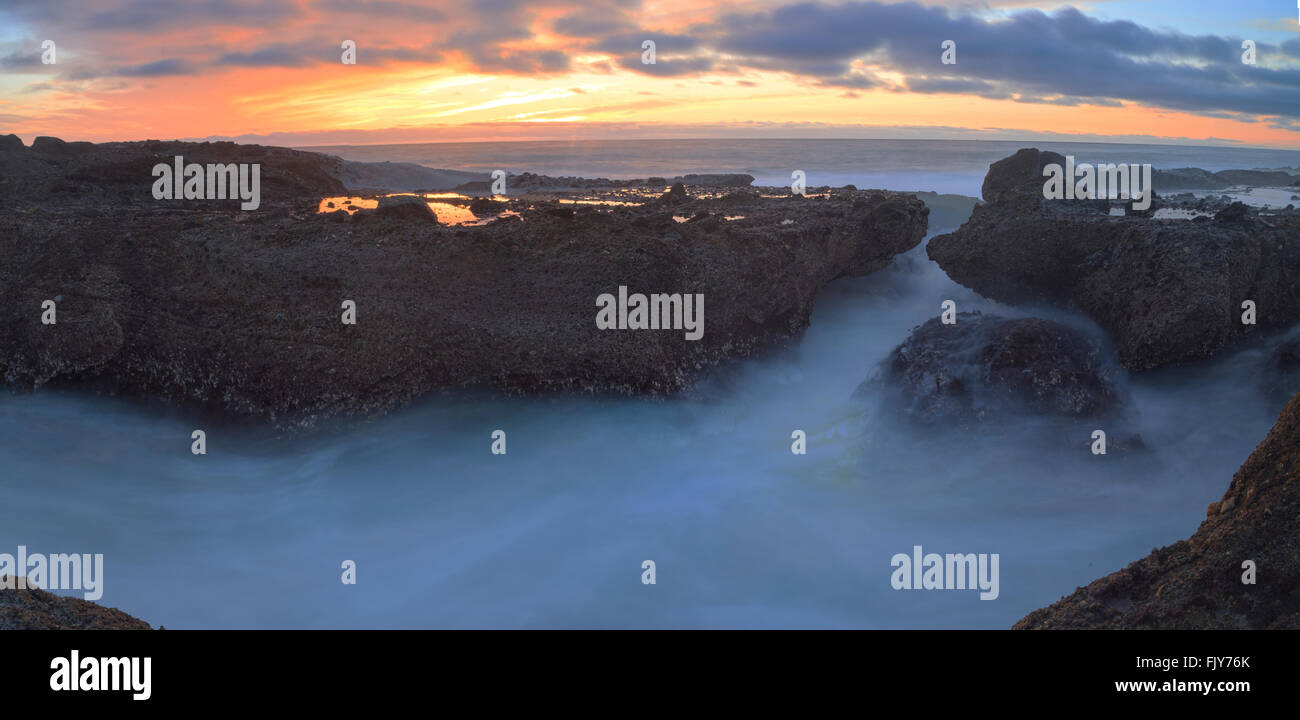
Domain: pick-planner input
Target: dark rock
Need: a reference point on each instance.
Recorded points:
(987, 366)
(676, 194)
(11, 143)
(1234, 212)
(1166, 291)
(160, 306)
(1018, 176)
(403, 206)
(485, 206)
(1256, 178)
(1197, 583)
(56, 174)
(1198, 179)
(47, 145)
(32, 609)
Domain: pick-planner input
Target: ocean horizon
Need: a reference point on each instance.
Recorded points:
(944, 166)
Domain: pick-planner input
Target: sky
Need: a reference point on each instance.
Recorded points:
(272, 71)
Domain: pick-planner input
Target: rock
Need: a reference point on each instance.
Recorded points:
(49, 145)
(987, 366)
(1197, 583)
(32, 609)
(11, 143)
(239, 313)
(1232, 213)
(403, 206)
(1186, 179)
(1018, 176)
(676, 194)
(1166, 291)
(56, 174)
(1198, 179)
(1256, 178)
(486, 206)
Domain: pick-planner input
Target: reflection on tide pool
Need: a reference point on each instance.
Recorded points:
(448, 213)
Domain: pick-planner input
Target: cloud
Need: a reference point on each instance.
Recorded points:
(1028, 53)
(1064, 57)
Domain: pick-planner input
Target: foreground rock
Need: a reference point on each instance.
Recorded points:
(1168, 291)
(1197, 583)
(31, 609)
(987, 366)
(241, 311)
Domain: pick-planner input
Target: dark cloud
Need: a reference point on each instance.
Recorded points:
(1038, 56)
(157, 68)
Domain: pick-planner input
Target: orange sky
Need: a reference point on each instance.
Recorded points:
(461, 96)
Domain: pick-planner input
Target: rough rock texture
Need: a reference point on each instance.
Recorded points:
(31, 609)
(1197, 583)
(241, 311)
(985, 366)
(1167, 291)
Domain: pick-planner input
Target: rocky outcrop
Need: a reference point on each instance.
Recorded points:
(986, 366)
(241, 311)
(1167, 291)
(1198, 179)
(1197, 583)
(32, 609)
(54, 174)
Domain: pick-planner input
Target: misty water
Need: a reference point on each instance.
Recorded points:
(553, 534)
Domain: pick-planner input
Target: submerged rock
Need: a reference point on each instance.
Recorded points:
(1167, 291)
(1197, 583)
(987, 366)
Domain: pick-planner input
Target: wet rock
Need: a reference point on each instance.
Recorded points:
(402, 206)
(485, 206)
(676, 194)
(1197, 583)
(986, 366)
(1167, 291)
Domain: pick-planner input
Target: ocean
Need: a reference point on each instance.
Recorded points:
(944, 166)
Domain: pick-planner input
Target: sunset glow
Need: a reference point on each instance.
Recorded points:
(560, 69)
